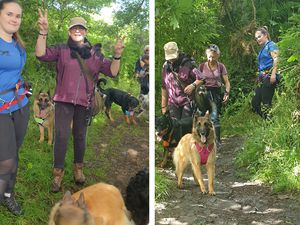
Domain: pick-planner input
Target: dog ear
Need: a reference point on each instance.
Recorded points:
(40, 91)
(48, 92)
(67, 199)
(81, 201)
(207, 114)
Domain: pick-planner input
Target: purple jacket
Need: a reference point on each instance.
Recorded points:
(70, 82)
(176, 95)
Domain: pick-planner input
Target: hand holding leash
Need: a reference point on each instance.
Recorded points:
(43, 22)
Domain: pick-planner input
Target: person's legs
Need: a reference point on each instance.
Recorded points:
(175, 111)
(187, 111)
(267, 96)
(217, 99)
(79, 136)
(6, 166)
(63, 116)
(256, 101)
(8, 156)
(20, 120)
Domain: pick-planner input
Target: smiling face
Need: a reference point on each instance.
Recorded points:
(211, 55)
(261, 38)
(10, 18)
(77, 33)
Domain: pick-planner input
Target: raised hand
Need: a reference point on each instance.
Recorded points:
(119, 47)
(43, 21)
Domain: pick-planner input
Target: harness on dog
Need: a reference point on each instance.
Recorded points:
(204, 152)
(17, 98)
(40, 120)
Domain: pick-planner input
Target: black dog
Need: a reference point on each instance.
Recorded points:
(121, 98)
(170, 130)
(137, 197)
(203, 101)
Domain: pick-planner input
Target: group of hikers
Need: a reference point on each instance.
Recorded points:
(73, 91)
(181, 76)
(71, 96)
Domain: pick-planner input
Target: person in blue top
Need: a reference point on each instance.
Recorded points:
(267, 73)
(14, 105)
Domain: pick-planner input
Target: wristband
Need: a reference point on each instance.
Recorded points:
(43, 34)
(194, 85)
(117, 58)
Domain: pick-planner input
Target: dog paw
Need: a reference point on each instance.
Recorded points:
(41, 140)
(49, 142)
(212, 193)
(203, 191)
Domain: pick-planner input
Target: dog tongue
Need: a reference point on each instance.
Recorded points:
(43, 113)
(203, 139)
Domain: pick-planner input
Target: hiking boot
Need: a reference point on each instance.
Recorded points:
(78, 173)
(11, 204)
(58, 174)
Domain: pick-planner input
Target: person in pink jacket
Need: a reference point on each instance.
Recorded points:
(73, 89)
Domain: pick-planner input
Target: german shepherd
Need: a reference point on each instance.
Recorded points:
(94, 205)
(127, 102)
(170, 130)
(43, 110)
(197, 148)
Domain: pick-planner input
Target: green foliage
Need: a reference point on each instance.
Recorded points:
(271, 150)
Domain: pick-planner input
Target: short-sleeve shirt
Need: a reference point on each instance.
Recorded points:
(213, 78)
(12, 61)
(176, 95)
(265, 60)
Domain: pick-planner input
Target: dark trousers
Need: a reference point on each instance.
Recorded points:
(64, 114)
(216, 96)
(262, 100)
(13, 128)
(180, 112)
(144, 81)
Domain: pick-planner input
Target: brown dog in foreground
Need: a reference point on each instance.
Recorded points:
(197, 148)
(97, 204)
(43, 110)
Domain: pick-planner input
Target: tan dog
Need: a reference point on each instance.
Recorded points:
(197, 148)
(99, 204)
(43, 110)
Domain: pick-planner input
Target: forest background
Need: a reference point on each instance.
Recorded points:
(130, 20)
(271, 148)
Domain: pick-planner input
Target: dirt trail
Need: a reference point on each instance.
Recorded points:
(237, 201)
(122, 151)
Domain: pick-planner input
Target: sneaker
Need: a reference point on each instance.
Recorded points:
(11, 204)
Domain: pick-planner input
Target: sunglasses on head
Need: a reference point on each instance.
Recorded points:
(213, 47)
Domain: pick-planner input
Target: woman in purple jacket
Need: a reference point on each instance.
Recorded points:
(72, 86)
